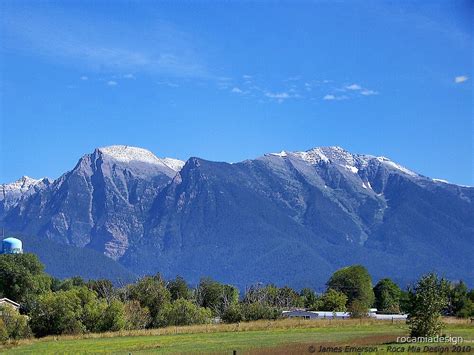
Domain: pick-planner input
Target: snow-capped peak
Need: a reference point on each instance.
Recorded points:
(322, 154)
(22, 184)
(11, 193)
(127, 154)
(350, 162)
(313, 156)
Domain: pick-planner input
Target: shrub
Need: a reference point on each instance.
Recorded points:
(15, 325)
(184, 312)
(136, 316)
(76, 310)
(358, 309)
(3, 332)
(216, 296)
(57, 313)
(152, 293)
(256, 311)
(334, 301)
(233, 314)
(113, 318)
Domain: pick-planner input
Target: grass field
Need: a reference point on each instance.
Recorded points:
(263, 337)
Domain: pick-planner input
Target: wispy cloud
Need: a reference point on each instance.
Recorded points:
(354, 87)
(112, 83)
(367, 92)
(84, 78)
(168, 83)
(282, 96)
(352, 91)
(291, 88)
(59, 36)
(461, 79)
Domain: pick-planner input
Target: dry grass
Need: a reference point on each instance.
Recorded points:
(454, 320)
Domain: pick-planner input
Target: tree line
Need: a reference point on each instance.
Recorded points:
(50, 306)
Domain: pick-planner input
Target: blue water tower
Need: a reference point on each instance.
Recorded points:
(12, 246)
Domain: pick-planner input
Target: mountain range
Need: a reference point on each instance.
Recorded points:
(288, 218)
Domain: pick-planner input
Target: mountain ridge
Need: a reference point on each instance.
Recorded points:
(147, 156)
(269, 219)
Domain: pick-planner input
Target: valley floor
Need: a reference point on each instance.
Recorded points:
(262, 337)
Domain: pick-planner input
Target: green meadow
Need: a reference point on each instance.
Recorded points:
(262, 337)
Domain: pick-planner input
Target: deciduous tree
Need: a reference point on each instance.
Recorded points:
(356, 283)
(387, 296)
(428, 298)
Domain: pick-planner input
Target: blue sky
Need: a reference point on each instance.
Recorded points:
(229, 81)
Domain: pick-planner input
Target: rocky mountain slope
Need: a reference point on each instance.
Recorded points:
(289, 217)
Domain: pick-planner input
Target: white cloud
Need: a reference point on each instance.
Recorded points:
(367, 92)
(112, 83)
(461, 79)
(237, 90)
(84, 77)
(354, 87)
(330, 97)
(279, 96)
(247, 77)
(129, 76)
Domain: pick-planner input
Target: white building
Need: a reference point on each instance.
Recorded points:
(304, 314)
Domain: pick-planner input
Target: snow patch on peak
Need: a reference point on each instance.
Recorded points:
(396, 166)
(333, 154)
(351, 168)
(313, 156)
(22, 184)
(11, 193)
(127, 154)
(441, 180)
(174, 164)
(281, 154)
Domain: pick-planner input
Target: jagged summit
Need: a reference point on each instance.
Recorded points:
(23, 184)
(340, 156)
(11, 193)
(128, 154)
